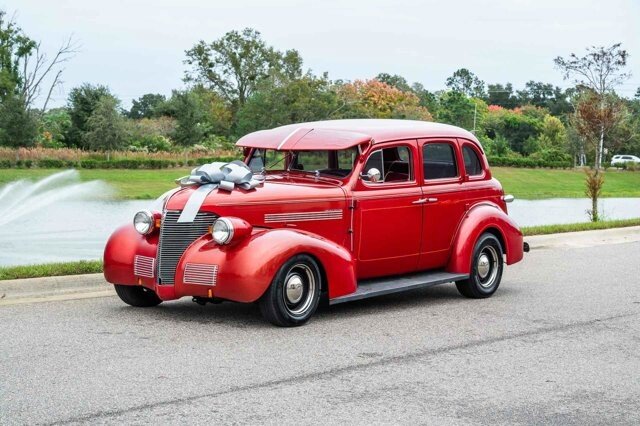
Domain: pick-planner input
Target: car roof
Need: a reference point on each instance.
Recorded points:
(343, 134)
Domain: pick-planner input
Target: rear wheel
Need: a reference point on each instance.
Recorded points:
(293, 296)
(138, 296)
(486, 269)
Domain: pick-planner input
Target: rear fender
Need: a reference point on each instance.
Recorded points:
(245, 269)
(485, 217)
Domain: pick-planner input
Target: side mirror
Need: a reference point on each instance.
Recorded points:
(372, 174)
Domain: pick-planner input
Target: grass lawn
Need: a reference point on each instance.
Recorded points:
(574, 227)
(522, 183)
(128, 184)
(50, 270)
(534, 184)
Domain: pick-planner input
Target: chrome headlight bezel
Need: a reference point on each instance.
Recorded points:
(222, 231)
(147, 221)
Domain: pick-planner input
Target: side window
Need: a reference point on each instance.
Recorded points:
(439, 161)
(472, 163)
(393, 163)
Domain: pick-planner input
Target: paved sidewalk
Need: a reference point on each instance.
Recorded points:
(585, 238)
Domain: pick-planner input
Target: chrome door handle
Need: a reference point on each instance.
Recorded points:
(425, 200)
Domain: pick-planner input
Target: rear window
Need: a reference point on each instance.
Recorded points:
(439, 161)
(472, 163)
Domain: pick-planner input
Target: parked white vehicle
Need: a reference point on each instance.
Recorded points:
(621, 159)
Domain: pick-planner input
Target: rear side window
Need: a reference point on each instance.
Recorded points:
(439, 161)
(472, 163)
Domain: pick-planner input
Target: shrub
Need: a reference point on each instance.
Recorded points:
(151, 143)
(528, 162)
(51, 163)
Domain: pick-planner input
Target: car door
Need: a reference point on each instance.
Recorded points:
(444, 207)
(388, 212)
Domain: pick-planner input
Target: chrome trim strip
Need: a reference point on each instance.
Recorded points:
(286, 139)
(303, 216)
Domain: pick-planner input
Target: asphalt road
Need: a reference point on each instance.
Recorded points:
(559, 343)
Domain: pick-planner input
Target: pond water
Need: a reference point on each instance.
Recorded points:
(60, 219)
(74, 230)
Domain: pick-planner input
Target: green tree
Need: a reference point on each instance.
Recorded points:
(464, 81)
(54, 125)
(553, 134)
(600, 71)
(147, 106)
(427, 99)
(82, 103)
(14, 47)
(521, 129)
(18, 125)
(192, 124)
(394, 80)
(237, 63)
(545, 95)
(500, 95)
(457, 109)
(305, 99)
(105, 127)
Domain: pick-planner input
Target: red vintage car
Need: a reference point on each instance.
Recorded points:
(342, 210)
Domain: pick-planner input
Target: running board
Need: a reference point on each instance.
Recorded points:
(387, 285)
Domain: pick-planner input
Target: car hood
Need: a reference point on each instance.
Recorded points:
(274, 192)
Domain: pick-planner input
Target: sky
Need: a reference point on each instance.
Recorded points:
(137, 47)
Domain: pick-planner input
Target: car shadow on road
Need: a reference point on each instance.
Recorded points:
(240, 315)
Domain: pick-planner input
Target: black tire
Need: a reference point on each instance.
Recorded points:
(293, 307)
(485, 277)
(138, 296)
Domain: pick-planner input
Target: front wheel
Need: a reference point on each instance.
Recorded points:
(294, 294)
(486, 269)
(138, 296)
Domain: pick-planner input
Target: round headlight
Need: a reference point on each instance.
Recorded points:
(143, 222)
(222, 231)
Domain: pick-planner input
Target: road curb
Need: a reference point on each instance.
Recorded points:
(70, 287)
(54, 288)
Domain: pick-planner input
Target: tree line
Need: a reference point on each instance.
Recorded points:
(239, 83)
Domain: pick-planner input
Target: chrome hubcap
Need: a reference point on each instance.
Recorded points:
(300, 288)
(487, 266)
(483, 266)
(294, 289)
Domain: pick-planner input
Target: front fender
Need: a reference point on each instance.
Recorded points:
(120, 252)
(245, 269)
(486, 217)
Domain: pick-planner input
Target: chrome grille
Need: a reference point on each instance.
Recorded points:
(175, 238)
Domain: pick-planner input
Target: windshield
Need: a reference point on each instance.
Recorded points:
(332, 163)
